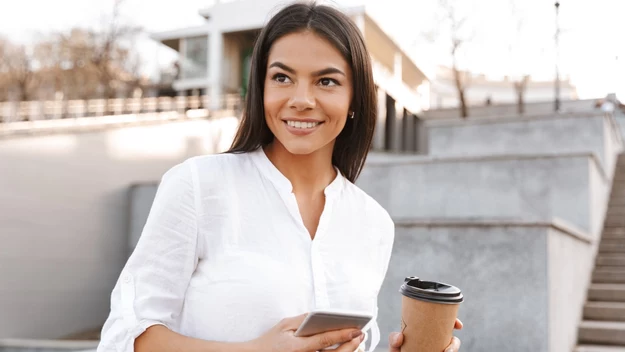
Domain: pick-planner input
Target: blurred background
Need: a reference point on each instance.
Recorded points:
(497, 152)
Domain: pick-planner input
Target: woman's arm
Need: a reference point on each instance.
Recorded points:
(150, 291)
(158, 338)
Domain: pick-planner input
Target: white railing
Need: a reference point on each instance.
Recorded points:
(63, 109)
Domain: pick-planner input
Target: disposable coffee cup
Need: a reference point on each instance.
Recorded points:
(428, 314)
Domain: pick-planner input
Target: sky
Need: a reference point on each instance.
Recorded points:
(590, 40)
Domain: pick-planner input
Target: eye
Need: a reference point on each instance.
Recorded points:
(328, 82)
(281, 78)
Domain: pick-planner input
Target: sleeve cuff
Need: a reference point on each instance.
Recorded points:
(127, 343)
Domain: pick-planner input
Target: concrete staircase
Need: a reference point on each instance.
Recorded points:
(603, 325)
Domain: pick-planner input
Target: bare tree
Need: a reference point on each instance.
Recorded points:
(516, 50)
(88, 63)
(109, 57)
(18, 68)
(520, 86)
(454, 28)
(79, 63)
(4, 79)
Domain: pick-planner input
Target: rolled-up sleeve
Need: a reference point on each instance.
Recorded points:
(152, 285)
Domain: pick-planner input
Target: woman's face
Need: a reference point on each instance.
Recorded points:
(308, 91)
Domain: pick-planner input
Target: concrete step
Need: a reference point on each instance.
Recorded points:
(612, 224)
(615, 214)
(611, 259)
(607, 292)
(598, 348)
(612, 246)
(602, 332)
(612, 228)
(614, 221)
(609, 275)
(604, 311)
(613, 232)
(615, 236)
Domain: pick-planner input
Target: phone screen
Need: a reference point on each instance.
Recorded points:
(319, 322)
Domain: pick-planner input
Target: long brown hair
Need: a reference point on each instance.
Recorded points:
(354, 141)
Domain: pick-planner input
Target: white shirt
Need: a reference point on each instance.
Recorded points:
(224, 255)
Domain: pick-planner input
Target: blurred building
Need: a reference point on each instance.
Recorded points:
(214, 59)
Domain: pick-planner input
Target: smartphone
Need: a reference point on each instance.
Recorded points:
(322, 321)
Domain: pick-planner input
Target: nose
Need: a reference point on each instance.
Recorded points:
(302, 98)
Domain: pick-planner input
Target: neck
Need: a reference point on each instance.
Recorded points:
(309, 174)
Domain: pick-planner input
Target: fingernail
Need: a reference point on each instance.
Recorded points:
(356, 333)
(449, 350)
(362, 337)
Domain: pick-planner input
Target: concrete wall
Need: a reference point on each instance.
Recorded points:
(466, 221)
(594, 133)
(529, 188)
(64, 217)
(140, 199)
(569, 260)
(511, 109)
(511, 274)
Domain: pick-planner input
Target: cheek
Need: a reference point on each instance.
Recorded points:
(271, 103)
(337, 109)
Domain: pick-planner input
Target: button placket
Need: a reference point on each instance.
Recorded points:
(319, 272)
(319, 278)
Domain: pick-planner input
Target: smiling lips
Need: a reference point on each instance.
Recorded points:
(302, 124)
(301, 128)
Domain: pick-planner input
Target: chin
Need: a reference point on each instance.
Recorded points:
(300, 150)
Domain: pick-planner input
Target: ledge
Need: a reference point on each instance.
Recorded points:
(180, 33)
(378, 159)
(447, 122)
(50, 344)
(556, 224)
(94, 124)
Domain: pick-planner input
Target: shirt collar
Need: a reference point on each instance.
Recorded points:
(281, 182)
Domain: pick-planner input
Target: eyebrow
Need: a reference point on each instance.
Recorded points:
(322, 72)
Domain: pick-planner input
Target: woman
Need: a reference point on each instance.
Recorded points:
(238, 247)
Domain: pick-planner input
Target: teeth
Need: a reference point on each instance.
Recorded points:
(300, 124)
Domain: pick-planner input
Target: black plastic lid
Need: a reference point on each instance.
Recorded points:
(430, 291)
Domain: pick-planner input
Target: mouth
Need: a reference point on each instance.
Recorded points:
(302, 125)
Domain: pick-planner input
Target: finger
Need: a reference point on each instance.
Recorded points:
(458, 325)
(352, 345)
(292, 323)
(454, 346)
(331, 338)
(395, 340)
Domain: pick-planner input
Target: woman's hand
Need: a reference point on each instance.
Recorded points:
(281, 338)
(396, 339)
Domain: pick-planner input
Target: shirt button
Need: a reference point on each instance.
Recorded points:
(127, 278)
